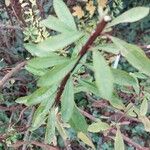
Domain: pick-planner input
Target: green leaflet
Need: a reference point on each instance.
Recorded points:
(123, 78)
(35, 71)
(119, 143)
(134, 55)
(41, 94)
(103, 76)
(38, 96)
(136, 86)
(83, 137)
(67, 98)
(61, 129)
(144, 107)
(98, 127)
(146, 122)
(131, 15)
(46, 62)
(116, 102)
(56, 74)
(109, 48)
(35, 50)
(139, 75)
(132, 110)
(56, 24)
(77, 121)
(39, 118)
(64, 14)
(41, 112)
(22, 100)
(120, 77)
(53, 43)
(50, 128)
(59, 41)
(86, 86)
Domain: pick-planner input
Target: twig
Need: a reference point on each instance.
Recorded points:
(26, 135)
(3, 26)
(144, 46)
(128, 140)
(20, 115)
(11, 108)
(99, 104)
(99, 29)
(88, 115)
(11, 20)
(42, 145)
(11, 73)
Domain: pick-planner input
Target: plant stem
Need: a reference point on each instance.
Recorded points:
(128, 140)
(26, 135)
(97, 32)
(11, 73)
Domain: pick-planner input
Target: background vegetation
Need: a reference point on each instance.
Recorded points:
(88, 117)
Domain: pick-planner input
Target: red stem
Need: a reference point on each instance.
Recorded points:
(100, 27)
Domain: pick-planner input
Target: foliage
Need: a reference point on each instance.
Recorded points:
(74, 75)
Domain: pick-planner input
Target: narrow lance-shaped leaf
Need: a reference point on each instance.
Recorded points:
(110, 48)
(42, 94)
(119, 143)
(56, 24)
(131, 15)
(77, 121)
(135, 86)
(53, 43)
(67, 98)
(86, 86)
(120, 77)
(64, 14)
(146, 122)
(39, 117)
(139, 75)
(39, 95)
(35, 71)
(83, 137)
(134, 55)
(61, 129)
(22, 100)
(98, 127)
(103, 76)
(56, 74)
(123, 78)
(59, 41)
(50, 128)
(144, 107)
(116, 102)
(41, 112)
(35, 50)
(46, 62)
(132, 110)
